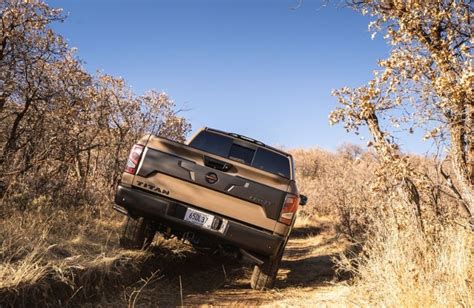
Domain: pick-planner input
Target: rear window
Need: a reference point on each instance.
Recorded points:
(212, 143)
(271, 162)
(241, 154)
(259, 158)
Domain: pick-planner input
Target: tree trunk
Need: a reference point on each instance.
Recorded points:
(461, 168)
(470, 141)
(406, 189)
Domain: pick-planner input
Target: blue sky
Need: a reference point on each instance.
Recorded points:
(258, 68)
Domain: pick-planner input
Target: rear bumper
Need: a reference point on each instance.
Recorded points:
(161, 209)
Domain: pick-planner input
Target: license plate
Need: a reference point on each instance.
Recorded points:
(199, 218)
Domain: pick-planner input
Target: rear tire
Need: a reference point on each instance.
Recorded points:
(264, 276)
(136, 233)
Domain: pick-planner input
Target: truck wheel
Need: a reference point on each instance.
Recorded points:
(136, 233)
(264, 276)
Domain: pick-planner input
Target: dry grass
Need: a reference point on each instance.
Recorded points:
(303, 221)
(393, 262)
(404, 268)
(62, 256)
(54, 257)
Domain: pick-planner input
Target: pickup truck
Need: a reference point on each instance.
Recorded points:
(218, 191)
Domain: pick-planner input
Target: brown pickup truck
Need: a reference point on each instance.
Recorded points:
(219, 191)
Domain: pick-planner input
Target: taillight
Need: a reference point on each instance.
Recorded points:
(289, 209)
(134, 158)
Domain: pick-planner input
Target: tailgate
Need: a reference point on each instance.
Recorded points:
(183, 173)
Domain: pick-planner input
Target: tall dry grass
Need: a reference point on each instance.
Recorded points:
(51, 256)
(405, 269)
(393, 262)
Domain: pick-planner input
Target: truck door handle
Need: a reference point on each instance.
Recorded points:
(216, 164)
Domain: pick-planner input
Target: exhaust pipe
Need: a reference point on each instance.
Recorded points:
(250, 257)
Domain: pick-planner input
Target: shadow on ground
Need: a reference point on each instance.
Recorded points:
(310, 271)
(311, 230)
(306, 231)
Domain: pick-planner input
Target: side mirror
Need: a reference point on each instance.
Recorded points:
(303, 200)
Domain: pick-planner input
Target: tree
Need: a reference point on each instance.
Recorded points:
(426, 82)
(63, 132)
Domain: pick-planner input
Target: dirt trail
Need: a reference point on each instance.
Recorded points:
(306, 277)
